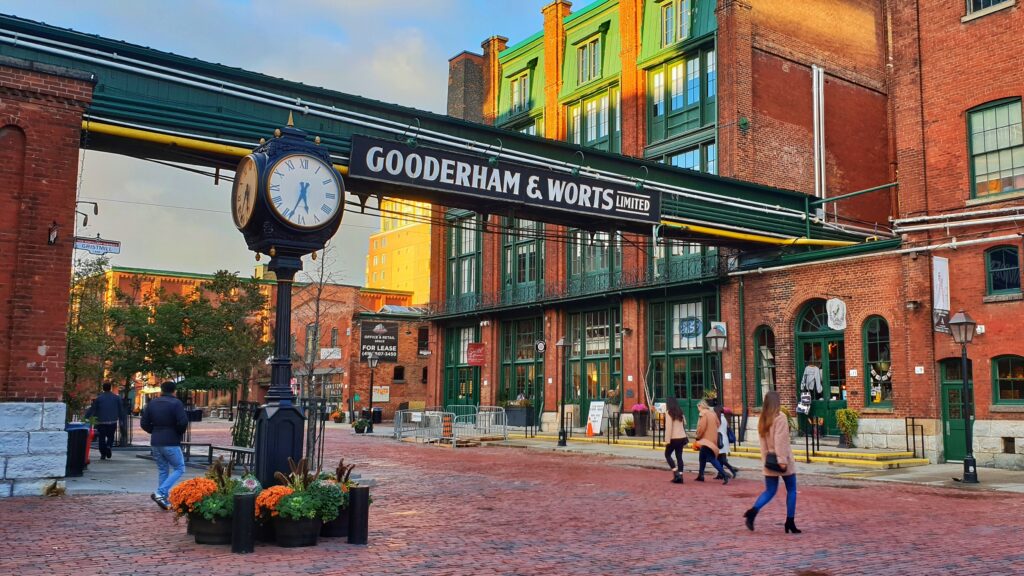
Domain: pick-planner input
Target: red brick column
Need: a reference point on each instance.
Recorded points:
(554, 51)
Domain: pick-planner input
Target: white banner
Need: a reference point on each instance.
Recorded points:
(940, 294)
(836, 309)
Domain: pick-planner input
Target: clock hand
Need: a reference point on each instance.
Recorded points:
(303, 188)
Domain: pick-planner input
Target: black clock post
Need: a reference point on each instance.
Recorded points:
(287, 201)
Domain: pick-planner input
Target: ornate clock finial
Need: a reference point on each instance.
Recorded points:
(277, 132)
(257, 256)
(313, 256)
(291, 122)
(316, 140)
(273, 252)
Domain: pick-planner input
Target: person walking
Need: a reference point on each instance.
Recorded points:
(107, 410)
(165, 420)
(773, 428)
(675, 433)
(707, 439)
(723, 433)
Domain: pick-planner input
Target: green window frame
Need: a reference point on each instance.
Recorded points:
(594, 121)
(995, 140)
(1002, 270)
(682, 94)
(1008, 380)
(680, 365)
(595, 348)
(464, 240)
(588, 60)
(520, 93)
(594, 260)
(522, 367)
(978, 5)
(673, 260)
(461, 381)
(877, 362)
(764, 363)
(676, 21)
(523, 256)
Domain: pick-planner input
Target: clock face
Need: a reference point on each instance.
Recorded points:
(304, 191)
(243, 194)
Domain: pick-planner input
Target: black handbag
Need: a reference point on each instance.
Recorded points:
(771, 462)
(721, 444)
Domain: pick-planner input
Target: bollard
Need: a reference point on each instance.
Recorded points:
(358, 514)
(243, 524)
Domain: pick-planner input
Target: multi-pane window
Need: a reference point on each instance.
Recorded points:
(463, 257)
(334, 337)
(676, 91)
(1008, 379)
(976, 5)
(877, 361)
(520, 93)
(423, 340)
(522, 366)
(688, 319)
(658, 99)
(1002, 267)
(591, 124)
(702, 158)
(676, 19)
(997, 148)
(682, 94)
(588, 61)
(530, 129)
(711, 69)
(692, 81)
(524, 260)
(764, 362)
(575, 126)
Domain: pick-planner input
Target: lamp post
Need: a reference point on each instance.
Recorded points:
(560, 345)
(371, 359)
(716, 343)
(962, 327)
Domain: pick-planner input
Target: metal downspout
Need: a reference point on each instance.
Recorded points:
(743, 364)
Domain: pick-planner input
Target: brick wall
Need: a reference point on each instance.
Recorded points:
(40, 122)
(412, 389)
(466, 87)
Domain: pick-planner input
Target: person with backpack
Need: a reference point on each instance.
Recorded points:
(725, 437)
(675, 434)
(777, 459)
(165, 420)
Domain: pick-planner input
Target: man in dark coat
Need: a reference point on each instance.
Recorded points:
(165, 420)
(107, 410)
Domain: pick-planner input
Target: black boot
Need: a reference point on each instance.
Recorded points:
(677, 478)
(750, 515)
(699, 478)
(791, 526)
(734, 471)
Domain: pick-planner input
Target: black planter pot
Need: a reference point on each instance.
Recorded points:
(209, 531)
(265, 531)
(642, 420)
(296, 533)
(630, 432)
(336, 528)
(521, 416)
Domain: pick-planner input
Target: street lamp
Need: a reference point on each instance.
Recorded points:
(716, 343)
(560, 345)
(962, 326)
(371, 359)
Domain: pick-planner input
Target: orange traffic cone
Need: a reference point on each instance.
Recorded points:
(590, 429)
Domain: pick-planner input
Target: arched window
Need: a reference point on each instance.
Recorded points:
(1002, 270)
(399, 374)
(764, 362)
(814, 318)
(877, 362)
(1008, 380)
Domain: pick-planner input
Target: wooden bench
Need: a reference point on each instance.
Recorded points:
(187, 450)
(239, 454)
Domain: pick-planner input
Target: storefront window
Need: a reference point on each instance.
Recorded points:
(764, 362)
(1008, 379)
(877, 361)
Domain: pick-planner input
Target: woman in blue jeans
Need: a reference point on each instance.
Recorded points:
(773, 428)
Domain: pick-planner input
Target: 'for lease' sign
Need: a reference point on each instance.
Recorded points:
(380, 338)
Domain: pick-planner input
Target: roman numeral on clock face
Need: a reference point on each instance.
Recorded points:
(276, 200)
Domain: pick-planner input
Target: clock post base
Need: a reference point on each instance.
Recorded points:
(279, 433)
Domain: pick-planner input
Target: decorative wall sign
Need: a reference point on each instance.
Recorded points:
(381, 338)
(97, 246)
(516, 184)
(691, 327)
(476, 354)
(836, 310)
(940, 294)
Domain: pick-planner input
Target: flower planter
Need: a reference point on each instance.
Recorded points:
(296, 533)
(336, 528)
(642, 420)
(630, 432)
(209, 531)
(521, 416)
(265, 531)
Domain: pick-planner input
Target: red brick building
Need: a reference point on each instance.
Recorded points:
(734, 88)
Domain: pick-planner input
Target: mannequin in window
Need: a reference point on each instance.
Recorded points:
(811, 381)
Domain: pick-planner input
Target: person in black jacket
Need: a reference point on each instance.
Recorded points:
(107, 410)
(165, 420)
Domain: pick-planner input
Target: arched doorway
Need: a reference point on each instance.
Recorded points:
(820, 346)
(954, 438)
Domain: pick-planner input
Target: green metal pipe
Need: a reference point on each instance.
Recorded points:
(852, 194)
(743, 362)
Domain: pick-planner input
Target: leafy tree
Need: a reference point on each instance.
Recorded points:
(89, 338)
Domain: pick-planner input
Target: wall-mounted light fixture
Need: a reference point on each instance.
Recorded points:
(626, 330)
(485, 323)
(51, 237)
(913, 304)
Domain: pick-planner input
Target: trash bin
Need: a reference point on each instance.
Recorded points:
(378, 415)
(195, 415)
(78, 443)
(364, 413)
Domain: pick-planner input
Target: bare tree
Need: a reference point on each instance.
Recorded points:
(315, 309)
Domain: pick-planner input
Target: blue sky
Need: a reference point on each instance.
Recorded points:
(395, 50)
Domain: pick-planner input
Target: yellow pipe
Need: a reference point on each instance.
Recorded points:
(755, 237)
(171, 140)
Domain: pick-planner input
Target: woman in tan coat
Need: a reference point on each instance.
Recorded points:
(707, 439)
(675, 433)
(773, 428)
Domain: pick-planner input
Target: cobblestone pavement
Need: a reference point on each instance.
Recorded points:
(496, 510)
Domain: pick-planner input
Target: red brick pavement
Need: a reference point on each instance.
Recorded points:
(496, 510)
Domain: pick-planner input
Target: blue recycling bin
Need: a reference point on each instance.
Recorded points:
(78, 444)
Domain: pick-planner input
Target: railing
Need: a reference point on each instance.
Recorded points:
(681, 269)
(489, 423)
(911, 429)
(434, 425)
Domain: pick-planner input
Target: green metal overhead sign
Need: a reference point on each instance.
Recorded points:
(512, 183)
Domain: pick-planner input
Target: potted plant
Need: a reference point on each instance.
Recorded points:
(337, 416)
(629, 427)
(641, 418)
(847, 420)
(612, 400)
(360, 425)
(341, 478)
(299, 514)
(520, 413)
(209, 502)
(266, 511)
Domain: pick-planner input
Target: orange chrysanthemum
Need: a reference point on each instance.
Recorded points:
(268, 499)
(185, 496)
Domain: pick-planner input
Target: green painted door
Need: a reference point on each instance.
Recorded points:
(687, 379)
(953, 431)
(828, 355)
(594, 386)
(462, 387)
